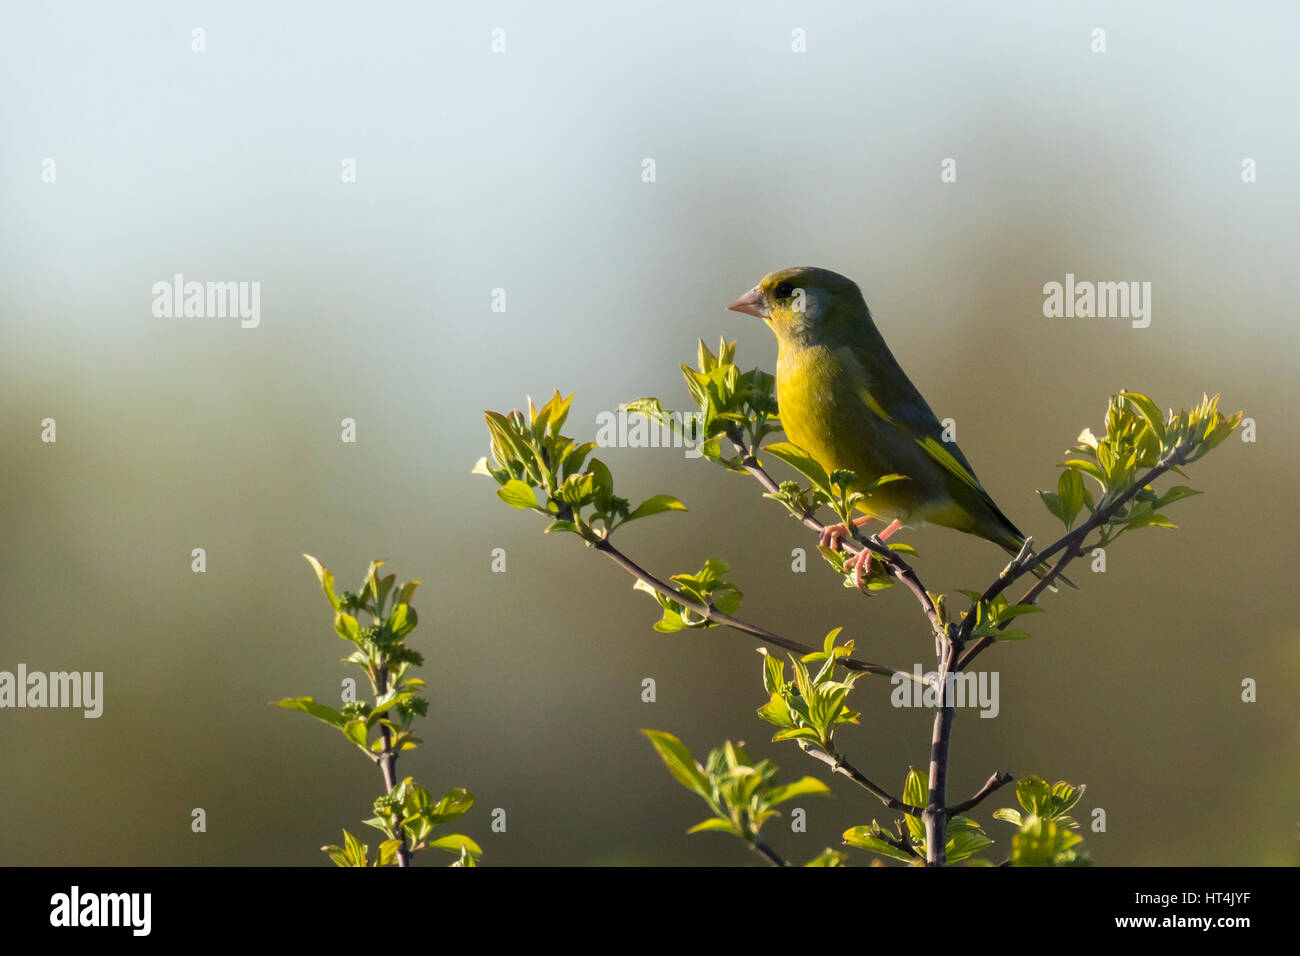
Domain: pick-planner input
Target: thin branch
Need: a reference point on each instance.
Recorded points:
(903, 843)
(1029, 597)
(713, 614)
(900, 569)
(838, 764)
(387, 761)
(935, 817)
(1070, 544)
(759, 846)
(995, 782)
(1070, 541)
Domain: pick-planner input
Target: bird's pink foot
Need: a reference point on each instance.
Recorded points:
(833, 535)
(861, 562)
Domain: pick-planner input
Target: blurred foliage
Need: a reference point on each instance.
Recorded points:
(407, 814)
(743, 795)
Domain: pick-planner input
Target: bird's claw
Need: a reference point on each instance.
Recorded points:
(833, 536)
(861, 564)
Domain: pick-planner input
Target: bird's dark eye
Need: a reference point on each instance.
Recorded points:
(783, 290)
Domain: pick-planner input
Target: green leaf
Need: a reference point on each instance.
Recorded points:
(679, 762)
(777, 711)
(1008, 814)
(1044, 843)
(455, 803)
(964, 844)
(403, 620)
(517, 494)
(454, 841)
(916, 793)
(354, 850)
(1176, 493)
(864, 839)
(1034, 794)
(1015, 610)
(336, 854)
(773, 672)
(1089, 468)
(801, 787)
(798, 733)
(577, 490)
(727, 601)
(1150, 519)
(604, 485)
(308, 706)
(828, 857)
(355, 731)
(800, 461)
(1149, 412)
(1065, 796)
(1070, 495)
(326, 582)
(388, 852)
(716, 823)
(656, 504)
(346, 626)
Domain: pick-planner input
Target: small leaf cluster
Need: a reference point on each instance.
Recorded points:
(381, 653)
(1046, 836)
(742, 794)
(809, 707)
(735, 405)
(407, 817)
(406, 814)
(907, 842)
(1137, 438)
(706, 587)
(841, 489)
(992, 616)
(530, 455)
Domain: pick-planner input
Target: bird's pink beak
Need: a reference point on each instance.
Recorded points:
(752, 302)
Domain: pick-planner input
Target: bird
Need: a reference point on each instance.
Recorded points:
(843, 398)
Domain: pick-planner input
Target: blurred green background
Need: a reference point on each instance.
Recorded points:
(521, 171)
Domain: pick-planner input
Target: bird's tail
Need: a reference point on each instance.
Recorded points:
(1039, 571)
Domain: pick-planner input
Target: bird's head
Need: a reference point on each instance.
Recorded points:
(806, 305)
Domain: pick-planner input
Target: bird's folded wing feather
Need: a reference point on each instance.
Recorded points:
(893, 397)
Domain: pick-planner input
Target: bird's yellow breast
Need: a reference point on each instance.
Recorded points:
(825, 403)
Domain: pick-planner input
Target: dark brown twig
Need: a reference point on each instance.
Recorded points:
(1070, 544)
(387, 760)
(995, 782)
(713, 614)
(935, 817)
(838, 764)
(900, 569)
(759, 846)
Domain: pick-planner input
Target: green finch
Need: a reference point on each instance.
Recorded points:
(843, 398)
